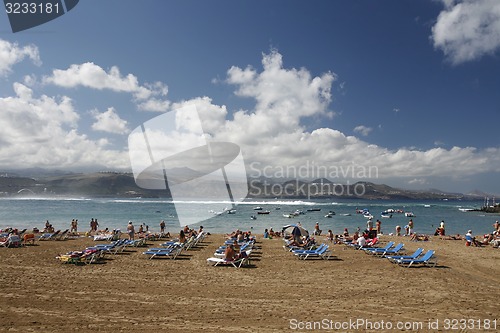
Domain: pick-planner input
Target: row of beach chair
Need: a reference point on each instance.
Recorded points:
(242, 259)
(93, 254)
(172, 249)
(395, 253)
(321, 251)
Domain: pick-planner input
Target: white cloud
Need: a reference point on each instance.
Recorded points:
(363, 130)
(42, 132)
(93, 76)
(39, 130)
(154, 104)
(468, 29)
(109, 121)
(418, 181)
(271, 134)
(11, 54)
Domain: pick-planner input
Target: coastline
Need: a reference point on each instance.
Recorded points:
(129, 292)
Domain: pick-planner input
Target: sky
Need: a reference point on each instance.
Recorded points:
(400, 92)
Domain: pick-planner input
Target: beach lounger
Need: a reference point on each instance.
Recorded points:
(170, 252)
(62, 236)
(49, 236)
(112, 248)
(386, 247)
(29, 238)
(80, 257)
(382, 252)
(427, 259)
(11, 241)
(302, 250)
(323, 253)
(237, 263)
(415, 255)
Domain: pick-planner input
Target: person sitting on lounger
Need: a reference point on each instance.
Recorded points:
(229, 253)
(182, 237)
(361, 241)
(329, 235)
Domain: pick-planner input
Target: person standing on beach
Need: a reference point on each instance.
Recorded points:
(92, 225)
(398, 230)
(130, 230)
(410, 227)
(378, 225)
(369, 224)
(162, 227)
(74, 226)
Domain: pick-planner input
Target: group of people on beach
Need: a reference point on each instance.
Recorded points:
(492, 238)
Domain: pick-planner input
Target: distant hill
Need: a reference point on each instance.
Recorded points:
(116, 184)
(93, 184)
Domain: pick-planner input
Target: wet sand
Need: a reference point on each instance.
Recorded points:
(276, 293)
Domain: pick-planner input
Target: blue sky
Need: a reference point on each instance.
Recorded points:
(410, 87)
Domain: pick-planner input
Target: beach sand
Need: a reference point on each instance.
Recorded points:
(276, 293)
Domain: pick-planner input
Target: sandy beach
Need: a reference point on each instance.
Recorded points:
(276, 293)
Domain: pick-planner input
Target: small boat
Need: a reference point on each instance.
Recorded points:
(258, 208)
(231, 211)
(330, 214)
(314, 209)
(288, 216)
(264, 212)
(386, 215)
(253, 217)
(346, 214)
(409, 214)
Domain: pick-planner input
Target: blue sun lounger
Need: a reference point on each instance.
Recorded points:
(425, 260)
(169, 252)
(387, 247)
(415, 255)
(323, 253)
(383, 252)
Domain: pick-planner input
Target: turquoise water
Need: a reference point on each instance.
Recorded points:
(115, 213)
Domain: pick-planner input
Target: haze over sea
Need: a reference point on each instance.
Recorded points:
(114, 213)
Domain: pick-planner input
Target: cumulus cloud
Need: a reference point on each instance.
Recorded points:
(109, 121)
(467, 29)
(42, 131)
(363, 130)
(12, 53)
(93, 76)
(272, 137)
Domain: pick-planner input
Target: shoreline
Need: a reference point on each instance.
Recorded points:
(129, 292)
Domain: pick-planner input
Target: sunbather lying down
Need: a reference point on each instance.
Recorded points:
(417, 237)
(456, 237)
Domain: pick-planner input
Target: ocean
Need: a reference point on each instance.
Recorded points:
(115, 213)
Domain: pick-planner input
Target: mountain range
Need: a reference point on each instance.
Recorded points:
(35, 182)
